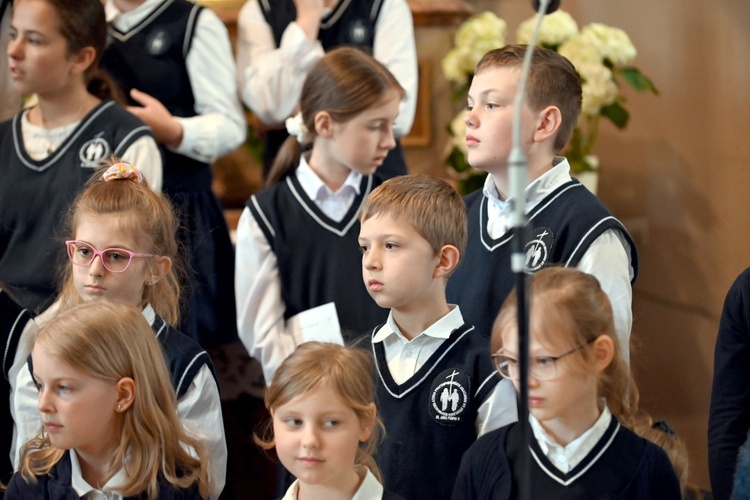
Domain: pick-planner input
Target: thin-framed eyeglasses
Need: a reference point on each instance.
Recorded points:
(540, 367)
(116, 260)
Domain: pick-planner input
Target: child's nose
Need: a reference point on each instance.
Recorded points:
(43, 403)
(470, 119)
(370, 259)
(14, 48)
(310, 438)
(96, 268)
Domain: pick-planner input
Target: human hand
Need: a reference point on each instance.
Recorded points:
(167, 130)
(309, 14)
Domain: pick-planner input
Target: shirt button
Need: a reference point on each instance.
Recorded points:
(407, 354)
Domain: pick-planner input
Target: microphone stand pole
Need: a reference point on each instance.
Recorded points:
(517, 178)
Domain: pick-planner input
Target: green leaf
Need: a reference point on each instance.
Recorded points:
(638, 80)
(460, 93)
(616, 114)
(457, 160)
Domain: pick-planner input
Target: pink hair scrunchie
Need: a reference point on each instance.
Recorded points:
(122, 170)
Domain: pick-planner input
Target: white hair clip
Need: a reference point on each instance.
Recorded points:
(296, 127)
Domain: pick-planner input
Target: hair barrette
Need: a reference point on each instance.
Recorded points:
(122, 170)
(296, 127)
(662, 425)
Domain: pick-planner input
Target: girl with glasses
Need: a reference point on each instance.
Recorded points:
(582, 401)
(122, 248)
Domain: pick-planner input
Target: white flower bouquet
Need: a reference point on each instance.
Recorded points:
(601, 54)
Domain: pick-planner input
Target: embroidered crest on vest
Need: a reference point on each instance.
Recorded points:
(359, 32)
(449, 397)
(93, 152)
(538, 249)
(158, 43)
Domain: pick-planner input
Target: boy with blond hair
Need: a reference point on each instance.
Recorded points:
(437, 388)
(567, 225)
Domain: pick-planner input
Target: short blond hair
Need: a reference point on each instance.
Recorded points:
(432, 207)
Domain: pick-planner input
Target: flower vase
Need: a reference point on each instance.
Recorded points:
(589, 178)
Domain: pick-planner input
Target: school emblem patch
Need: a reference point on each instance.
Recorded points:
(158, 43)
(538, 249)
(450, 396)
(93, 152)
(359, 32)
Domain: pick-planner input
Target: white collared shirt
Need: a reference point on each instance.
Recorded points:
(608, 258)
(405, 357)
(270, 77)
(565, 458)
(219, 126)
(88, 492)
(334, 204)
(369, 489)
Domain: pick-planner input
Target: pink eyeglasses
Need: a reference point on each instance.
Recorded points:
(116, 260)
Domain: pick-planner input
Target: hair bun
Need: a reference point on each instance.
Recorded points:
(122, 170)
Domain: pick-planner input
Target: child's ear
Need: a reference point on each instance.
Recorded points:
(160, 266)
(125, 394)
(368, 425)
(82, 60)
(448, 260)
(604, 351)
(323, 124)
(549, 121)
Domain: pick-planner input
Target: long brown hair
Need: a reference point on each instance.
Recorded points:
(135, 206)
(347, 370)
(344, 82)
(573, 305)
(110, 341)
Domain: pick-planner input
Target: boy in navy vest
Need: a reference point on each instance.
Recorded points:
(437, 388)
(567, 224)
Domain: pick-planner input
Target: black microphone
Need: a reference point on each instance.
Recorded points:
(551, 7)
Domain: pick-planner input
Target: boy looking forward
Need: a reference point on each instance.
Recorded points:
(567, 224)
(437, 388)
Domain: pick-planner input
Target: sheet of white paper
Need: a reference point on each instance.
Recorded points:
(319, 323)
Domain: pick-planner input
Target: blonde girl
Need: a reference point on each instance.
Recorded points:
(122, 248)
(297, 244)
(108, 408)
(50, 149)
(324, 425)
(582, 400)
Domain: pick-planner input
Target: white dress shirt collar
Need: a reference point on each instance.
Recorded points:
(565, 458)
(369, 489)
(88, 492)
(441, 329)
(499, 210)
(126, 20)
(334, 205)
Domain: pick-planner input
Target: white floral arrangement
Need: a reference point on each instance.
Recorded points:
(602, 55)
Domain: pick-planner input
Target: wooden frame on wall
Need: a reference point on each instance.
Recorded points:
(421, 131)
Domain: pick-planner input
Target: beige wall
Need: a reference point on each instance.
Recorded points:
(678, 177)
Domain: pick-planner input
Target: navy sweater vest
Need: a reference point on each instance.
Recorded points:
(559, 231)
(319, 259)
(151, 57)
(430, 419)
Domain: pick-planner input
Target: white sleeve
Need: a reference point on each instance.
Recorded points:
(220, 126)
(25, 344)
(260, 306)
(24, 411)
(270, 78)
(395, 47)
(200, 413)
(608, 259)
(144, 153)
(500, 408)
